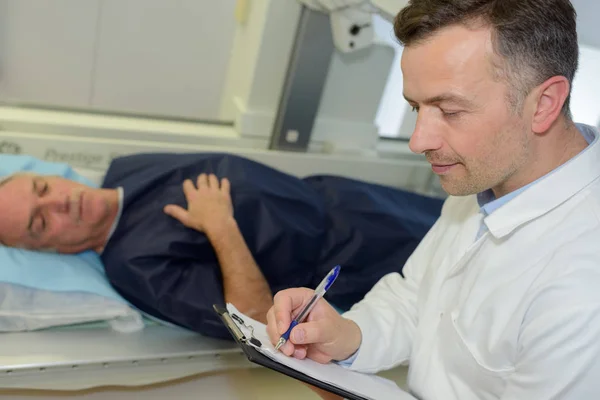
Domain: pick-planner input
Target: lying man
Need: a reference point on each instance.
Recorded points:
(237, 232)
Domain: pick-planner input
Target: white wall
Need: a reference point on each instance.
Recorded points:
(153, 57)
(47, 51)
(588, 12)
(392, 107)
(163, 57)
(585, 97)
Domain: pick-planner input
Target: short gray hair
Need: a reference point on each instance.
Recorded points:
(535, 39)
(6, 178)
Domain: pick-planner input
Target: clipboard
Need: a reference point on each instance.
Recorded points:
(246, 343)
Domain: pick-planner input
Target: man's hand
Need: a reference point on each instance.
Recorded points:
(325, 335)
(210, 210)
(208, 204)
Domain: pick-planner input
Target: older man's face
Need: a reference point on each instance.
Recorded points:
(465, 125)
(47, 212)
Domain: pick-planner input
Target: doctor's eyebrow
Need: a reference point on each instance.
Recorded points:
(446, 97)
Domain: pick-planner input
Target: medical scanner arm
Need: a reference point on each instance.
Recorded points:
(325, 27)
(351, 20)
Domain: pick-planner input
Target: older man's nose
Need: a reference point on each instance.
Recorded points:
(55, 202)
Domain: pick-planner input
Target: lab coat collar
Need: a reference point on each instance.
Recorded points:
(550, 191)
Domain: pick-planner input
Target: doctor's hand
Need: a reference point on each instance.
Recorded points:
(208, 204)
(324, 336)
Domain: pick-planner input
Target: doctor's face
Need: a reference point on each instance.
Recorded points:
(47, 212)
(466, 126)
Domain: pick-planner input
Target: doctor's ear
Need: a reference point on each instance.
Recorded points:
(551, 96)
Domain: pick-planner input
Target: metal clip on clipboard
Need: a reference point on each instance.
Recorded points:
(235, 329)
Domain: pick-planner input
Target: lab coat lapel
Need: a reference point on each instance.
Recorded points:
(548, 193)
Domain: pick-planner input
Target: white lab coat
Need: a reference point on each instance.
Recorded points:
(512, 315)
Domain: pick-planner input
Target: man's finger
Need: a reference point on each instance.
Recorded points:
(286, 303)
(225, 185)
(282, 309)
(202, 180)
(213, 182)
(274, 336)
(188, 188)
(178, 213)
(283, 319)
(287, 349)
(300, 352)
(310, 332)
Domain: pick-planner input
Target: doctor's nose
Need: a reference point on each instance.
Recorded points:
(425, 136)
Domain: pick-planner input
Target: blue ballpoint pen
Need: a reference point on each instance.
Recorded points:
(319, 292)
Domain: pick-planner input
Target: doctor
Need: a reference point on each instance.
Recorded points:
(501, 300)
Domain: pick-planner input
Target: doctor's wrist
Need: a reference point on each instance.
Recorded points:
(350, 340)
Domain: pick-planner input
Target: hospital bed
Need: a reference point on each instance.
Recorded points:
(94, 361)
(94, 354)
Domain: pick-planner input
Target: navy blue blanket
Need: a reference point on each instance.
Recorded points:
(296, 229)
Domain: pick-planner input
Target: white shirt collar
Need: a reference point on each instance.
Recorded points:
(548, 193)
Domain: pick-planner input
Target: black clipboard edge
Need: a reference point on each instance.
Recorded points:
(256, 357)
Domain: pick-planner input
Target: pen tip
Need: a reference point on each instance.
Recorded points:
(279, 344)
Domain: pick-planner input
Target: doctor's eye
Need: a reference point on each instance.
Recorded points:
(451, 114)
(414, 109)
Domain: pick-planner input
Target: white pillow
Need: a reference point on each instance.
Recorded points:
(27, 309)
(95, 176)
(43, 289)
